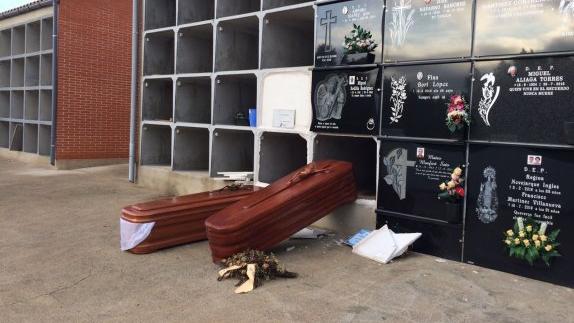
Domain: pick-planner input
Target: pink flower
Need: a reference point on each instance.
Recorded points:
(456, 100)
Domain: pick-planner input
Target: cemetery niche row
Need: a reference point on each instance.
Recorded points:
(32, 37)
(351, 32)
(26, 137)
(503, 182)
(170, 13)
(232, 150)
(523, 100)
(234, 95)
(25, 87)
(285, 43)
(31, 105)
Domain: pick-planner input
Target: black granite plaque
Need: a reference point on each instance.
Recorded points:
(410, 175)
(427, 29)
(439, 240)
(342, 33)
(524, 27)
(509, 182)
(525, 100)
(346, 100)
(415, 99)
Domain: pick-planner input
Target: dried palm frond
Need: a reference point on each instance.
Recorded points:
(252, 267)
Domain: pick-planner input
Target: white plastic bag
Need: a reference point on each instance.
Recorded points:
(132, 234)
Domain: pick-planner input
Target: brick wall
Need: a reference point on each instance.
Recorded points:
(94, 79)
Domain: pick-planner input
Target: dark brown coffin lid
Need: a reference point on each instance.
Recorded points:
(282, 191)
(199, 200)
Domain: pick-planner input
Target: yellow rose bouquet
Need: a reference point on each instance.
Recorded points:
(528, 241)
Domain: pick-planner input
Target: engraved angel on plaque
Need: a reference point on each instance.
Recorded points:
(489, 96)
(487, 204)
(397, 164)
(330, 97)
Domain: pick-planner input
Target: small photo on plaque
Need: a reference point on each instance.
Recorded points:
(420, 153)
(534, 160)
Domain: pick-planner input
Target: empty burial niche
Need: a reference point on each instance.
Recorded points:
(17, 105)
(362, 152)
(5, 73)
(5, 42)
(30, 138)
(288, 38)
(280, 154)
(47, 30)
(234, 96)
(271, 4)
(158, 100)
(193, 100)
(4, 134)
(16, 131)
(45, 113)
(4, 104)
(17, 73)
(44, 140)
(195, 49)
(226, 8)
(231, 151)
(156, 145)
(19, 40)
(32, 71)
(195, 10)
(46, 69)
(191, 151)
(159, 13)
(159, 51)
(31, 105)
(237, 44)
(33, 37)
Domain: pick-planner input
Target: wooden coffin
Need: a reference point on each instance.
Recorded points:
(274, 213)
(181, 220)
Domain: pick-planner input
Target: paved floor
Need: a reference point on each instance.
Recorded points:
(60, 261)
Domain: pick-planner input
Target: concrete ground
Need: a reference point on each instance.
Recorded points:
(60, 261)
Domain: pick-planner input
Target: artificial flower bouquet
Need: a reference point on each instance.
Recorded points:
(453, 191)
(359, 40)
(527, 240)
(457, 115)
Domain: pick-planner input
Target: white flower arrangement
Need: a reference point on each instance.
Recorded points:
(359, 41)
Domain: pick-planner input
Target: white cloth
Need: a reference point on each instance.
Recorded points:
(132, 234)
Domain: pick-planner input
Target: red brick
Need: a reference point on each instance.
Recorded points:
(94, 75)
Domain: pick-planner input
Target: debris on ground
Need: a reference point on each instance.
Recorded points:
(309, 233)
(357, 237)
(384, 245)
(252, 267)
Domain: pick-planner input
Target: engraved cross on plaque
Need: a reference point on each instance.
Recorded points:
(397, 165)
(327, 22)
